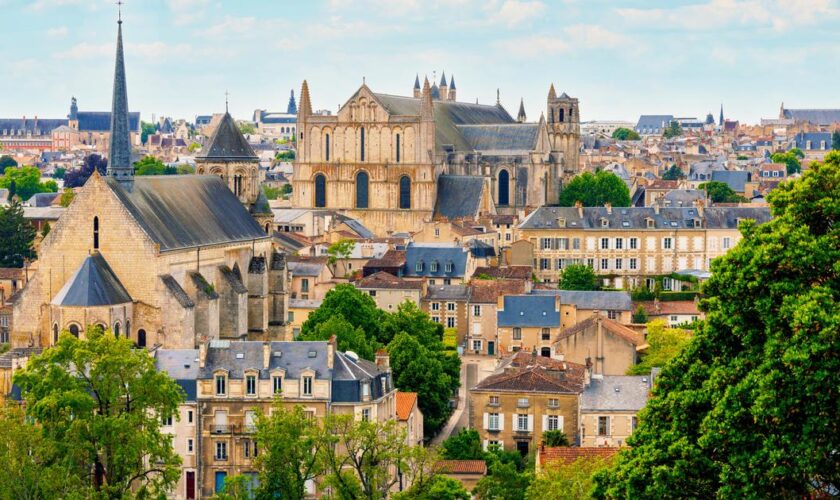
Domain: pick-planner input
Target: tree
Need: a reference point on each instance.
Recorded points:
(409, 318)
(748, 408)
(673, 130)
(555, 438)
(146, 129)
(67, 197)
(6, 161)
(594, 190)
(674, 173)
(664, 344)
(238, 487)
(16, 236)
(625, 134)
(58, 172)
(183, 169)
(193, 147)
(340, 251)
(78, 176)
(790, 159)
(288, 155)
(438, 487)
(45, 230)
(357, 307)
(290, 451)
(578, 277)
(99, 403)
(640, 316)
(149, 165)
(348, 338)
(360, 456)
(286, 190)
(720, 192)
(466, 445)
(503, 481)
(247, 128)
(27, 181)
(272, 193)
(835, 140)
(563, 481)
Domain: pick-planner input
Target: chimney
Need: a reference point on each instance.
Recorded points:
(608, 206)
(587, 373)
(331, 351)
(383, 361)
(700, 205)
(656, 208)
(579, 206)
(266, 354)
(202, 354)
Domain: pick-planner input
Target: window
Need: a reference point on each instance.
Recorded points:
(450, 322)
(517, 333)
(304, 285)
(450, 306)
(398, 148)
(545, 264)
(476, 310)
(436, 319)
(190, 445)
(437, 232)
(476, 345)
(521, 422)
(612, 314)
(96, 233)
(667, 243)
(362, 145)
(546, 334)
(522, 403)
(277, 384)
(605, 243)
(494, 400)
(433, 267)
(590, 263)
(553, 403)
(603, 426)
(117, 329)
(221, 385)
(727, 242)
(366, 415)
(634, 243)
(674, 319)
(553, 422)
(619, 243)
(634, 422)
(618, 263)
(320, 191)
(251, 385)
(166, 421)
(504, 188)
(634, 264)
(419, 266)
(435, 306)
(667, 284)
(605, 263)
(575, 243)
(365, 390)
(405, 192)
(189, 416)
(307, 386)
(246, 448)
(447, 268)
(362, 179)
(327, 147)
(492, 421)
(221, 450)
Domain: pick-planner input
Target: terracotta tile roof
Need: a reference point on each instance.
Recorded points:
(488, 291)
(568, 455)
(506, 273)
(502, 219)
(524, 372)
(612, 326)
(382, 279)
(461, 467)
(391, 258)
(11, 273)
(661, 184)
(406, 401)
(671, 307)
(461, 230)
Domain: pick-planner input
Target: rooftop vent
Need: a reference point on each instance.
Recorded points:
(277, 354)
(617, 389)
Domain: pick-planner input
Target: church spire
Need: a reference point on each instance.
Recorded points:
(119, 151)
(520, 117)
(721, 115)
(291, 109)
(305, 106)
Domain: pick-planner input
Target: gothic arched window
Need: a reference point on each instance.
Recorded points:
(141, 338)
(96, 233)
(55, 333)
(362, 143)
(74, 330)
(327, 147)
(362, 190)
(405, 192)
(398, 148)
(504, 188)
(560, 115)
(320, 191)
(117, 329)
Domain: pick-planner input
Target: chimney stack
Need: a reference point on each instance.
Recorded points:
(266, 354)
(579, 206)
(608, 206)
(202, 354)
(331, 351)
(383, 361)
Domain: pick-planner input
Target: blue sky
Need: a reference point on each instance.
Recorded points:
(620, 58)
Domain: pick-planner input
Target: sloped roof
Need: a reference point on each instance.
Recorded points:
(391, 258)
(100, 121)
(228, 143)
(448, 292)
(616, 393)
(536, 377)
(458, 196)
(405, 403)
(306, 266)
(609, 325)
(383, 280)
(93, 284)
(568, 454)
(427, 254)
(507, 137)
(185, 211)
(181, 365)
(529, 311)
(488, 291)
(590, 299)
(815, 116)
(505, 273)
(461, 467)
(734, 178)
(177, 291)
(240, 355)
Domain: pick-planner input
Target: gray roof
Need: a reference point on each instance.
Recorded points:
(177, 291)
(181, 365)
(815, 116)
(595, 300)
(41, 199)
(40, 126)
(185, 211)
(505, 137)
(93, 284)
(239, 355)
(528, 310)
(653, 124)
(427, 254)
(728, 217)
(734, 178)
(636, 217)
(232, 279)
(616, 393)
(458, 196)
(819, 140)
(228, 143)
(448, 292)
(306, 267)
(684, 197)
(350, 372)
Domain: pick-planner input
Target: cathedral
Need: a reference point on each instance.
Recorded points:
(395, 162)
(167, 261)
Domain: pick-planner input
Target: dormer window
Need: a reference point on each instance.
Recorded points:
(419, 266)
(561, 222)
(365, 390)
(605, 223)
(448, 267)
(433, 267)
(650, 223)
(306, 386)
(221, 384)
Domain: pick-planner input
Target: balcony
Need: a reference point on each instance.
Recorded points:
(521, 431)
(222, 428)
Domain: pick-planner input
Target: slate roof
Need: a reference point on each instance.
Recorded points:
(426, 254)
(819, 140)
(382, 280)
(186, 211)
(528, 311)
(391, 258)
(177, 291)
(728, 217)
(590, 299)
(616, 393)
(100, 121)
(182, 366)
(458, 196)
(612, 326)
(291, 241)
(93, 284)
(733, 178)
(350, 372)
(815, 116)
(306, 266)
(41, 199)
(228, 143)
(501, 138)
(448, 292)
(405, 402)
(119, 150)
(653, 124)
(240, 355)
(684, 197)
(621, 218)
(234, 281)
(41, 126)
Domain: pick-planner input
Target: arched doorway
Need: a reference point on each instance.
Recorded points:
(504, 188)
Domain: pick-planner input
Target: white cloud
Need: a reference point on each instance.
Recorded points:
(515, 12)
(592, 36)
(60, 31)
(571, 38)
(187, 11)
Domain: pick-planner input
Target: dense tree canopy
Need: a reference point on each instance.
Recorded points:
(6, 161)
(720, 192)
(26, 182)
(578, 277)
(790, 159)
(146, 129)
(664, 343)
(16, 236)
(672, 130)
(625, 134)
(562, 481)
(78, 176)
(149, 165)
(356, 307)
(749, 408)
(99, 403)
(594, 190)
(674, 173)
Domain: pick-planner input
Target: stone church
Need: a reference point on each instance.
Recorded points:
(394, 162)
(166, 261)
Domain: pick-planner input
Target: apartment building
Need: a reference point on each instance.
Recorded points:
(389, 291)
(482, 312)
(527, 322)
(447, 305)
(609, 406)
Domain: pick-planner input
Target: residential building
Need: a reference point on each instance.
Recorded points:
(527, 322)
(447, 305)
(438, 263)
(299, 311)
(604, 345)
(578, 305)
(482, 327)
(389, 291)
(311, 277)
(410, 417)
(674, 313)
(609, 406)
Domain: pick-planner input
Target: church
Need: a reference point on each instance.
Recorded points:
(395, 162)
(167, 261)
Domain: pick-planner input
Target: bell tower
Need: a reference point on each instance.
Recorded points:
(563, 114)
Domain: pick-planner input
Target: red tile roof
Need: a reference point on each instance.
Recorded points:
(509, 272)
(568, 455)
(461, 467)
(382, 280)
(405, 403)
(488, 291)
(611, 326)
(671, 307)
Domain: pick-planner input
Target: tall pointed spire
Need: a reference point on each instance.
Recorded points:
(721, 115)
(119, 151)
(291, 109)
(520, 117)
(305, 107)
(417, 81)
(443, 79)
(552, 94)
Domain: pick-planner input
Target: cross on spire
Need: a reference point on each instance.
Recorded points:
(227, 94)
(119, 11)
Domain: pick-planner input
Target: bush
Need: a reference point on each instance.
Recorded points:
(555, 438)
(672, 296)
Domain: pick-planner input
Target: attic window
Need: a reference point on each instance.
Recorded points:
(625, 223)
(240, 355)
(674, 224)
(605, 223)
(650, 223)
(448, 267)
(313, 354)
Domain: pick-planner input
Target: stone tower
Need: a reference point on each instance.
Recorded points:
(119, 150)
(564, 133)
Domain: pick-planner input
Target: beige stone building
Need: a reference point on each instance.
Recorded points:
(395, 162)
(389, 291)
(482, 337)
(448, 305)
(410, 417)
(608, 409)
(609, 347)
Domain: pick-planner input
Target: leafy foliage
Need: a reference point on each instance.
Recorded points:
(6, 161)
(287, 155)
(563, 481)
(27, 181)
(146, 129)
(594, 190)
(340, 250)
(720, 192)
(748, 408)
(356, 307)
(674, 173)
(625, 134)
(247, 128)
(16, 236)
(555, 438)
(149, 165)
(640, 315)
(438, 487)
(193, 147)
(790, 159)
(78, 176)
(578, 277)
(58, 172)
(466, 445)
(503, 481)
(99, 403)
(272, 193)
(673, 130)
(664, 344)
(348, 338)
(835, 140)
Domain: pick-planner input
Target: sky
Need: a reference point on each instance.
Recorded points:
(621, 59)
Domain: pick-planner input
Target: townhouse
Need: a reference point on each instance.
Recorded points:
(448, 305)
(609, 407)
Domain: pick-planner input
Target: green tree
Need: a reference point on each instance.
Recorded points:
(290, 451)
(238, 487)
(184, 169)
(563, 481)
(664, 344)
(594, 190)
(288, 155)
(247, 128)
(790, 159)
(466, 445)
(625, 134)
(578, 277)
(286, 190)
(27, 181)
(16, 236)
(674, 173)
(673, 130)
(100, 403)
(272, 193)
(555, 438)
(193, 147)
(45, 230)
(748, 409)
(503, 481)
(720, 192)
(409, 318)
(348, 338)
(357, 307)
(640, 316)
(67, 197)
(58, 172)
(437, 487)
(340, 251)
(149, 165)
(835, 140)
(6, 161)
(146, 129)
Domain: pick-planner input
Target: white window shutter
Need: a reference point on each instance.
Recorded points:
(530, 423)
(501, 421)
(484, 443)
(486, 420)
(544, 423)
(560, 423)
